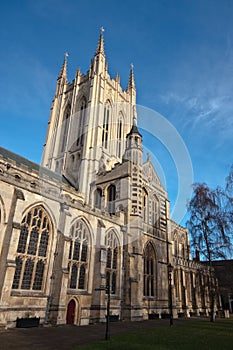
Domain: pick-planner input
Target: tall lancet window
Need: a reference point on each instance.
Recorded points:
(81, 121)
(119, 136)
(149, 271)
(111, 197)
(64, 128)
(105, 132)
(155, 211)
(145, 205)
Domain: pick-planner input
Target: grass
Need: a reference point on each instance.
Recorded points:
(198, 335)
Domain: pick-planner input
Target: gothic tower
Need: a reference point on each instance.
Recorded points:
(90, 118)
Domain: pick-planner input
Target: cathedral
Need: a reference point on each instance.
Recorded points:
(93, 219)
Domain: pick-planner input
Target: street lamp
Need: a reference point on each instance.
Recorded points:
(170, 269)
(107, 290)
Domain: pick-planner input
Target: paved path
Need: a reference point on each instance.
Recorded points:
(67, 337)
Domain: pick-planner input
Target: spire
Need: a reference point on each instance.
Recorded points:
(63, 71)
(134, 129)
(131, 82)
(100, 46)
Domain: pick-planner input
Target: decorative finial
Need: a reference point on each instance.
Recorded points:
(131, 83)
(100, 46)
(63, 71)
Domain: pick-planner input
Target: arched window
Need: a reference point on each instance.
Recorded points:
(119, 136)
(155, 212)
(32, 250)
(145, 205)
(112, 246)
(81, 121)
(64, 129)
(149, 271)
(106, 121)
(176, 245)
(176, 282)
(98, 196)
(79, 255)
(111, 197)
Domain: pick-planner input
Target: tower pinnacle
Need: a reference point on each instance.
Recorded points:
(63, 71)
(131, 82)
(100, 46)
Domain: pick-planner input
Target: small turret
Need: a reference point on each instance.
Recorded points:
(134, 129)
(133, 150)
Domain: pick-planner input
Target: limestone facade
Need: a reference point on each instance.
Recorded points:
(92, 215)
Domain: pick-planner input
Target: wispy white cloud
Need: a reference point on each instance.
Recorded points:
(204, 97)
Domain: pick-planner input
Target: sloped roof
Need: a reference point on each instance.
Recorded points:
(19, 160)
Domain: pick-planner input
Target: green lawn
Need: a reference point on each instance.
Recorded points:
(200, 335)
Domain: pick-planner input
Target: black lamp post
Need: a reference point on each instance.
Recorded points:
(107, 290)
(170, 269)
(107, 334)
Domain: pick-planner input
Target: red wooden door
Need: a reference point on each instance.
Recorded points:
(70, 312)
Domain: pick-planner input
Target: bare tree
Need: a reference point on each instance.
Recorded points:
(209, 228)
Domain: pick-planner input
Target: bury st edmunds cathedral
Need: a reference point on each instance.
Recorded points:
(92, 215)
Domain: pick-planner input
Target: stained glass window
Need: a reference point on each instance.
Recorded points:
(31, 256)
(78, 255)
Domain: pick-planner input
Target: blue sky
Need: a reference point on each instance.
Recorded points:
(182, 53)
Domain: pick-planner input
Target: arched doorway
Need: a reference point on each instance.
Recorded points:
(70, 315)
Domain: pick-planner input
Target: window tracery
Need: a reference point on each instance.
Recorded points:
(32, 250)
(149, 271)
(78, 255)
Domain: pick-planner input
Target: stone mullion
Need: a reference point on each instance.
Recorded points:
(33, 258)
(24, 258)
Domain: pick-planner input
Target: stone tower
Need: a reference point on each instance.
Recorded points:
(90, 118)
